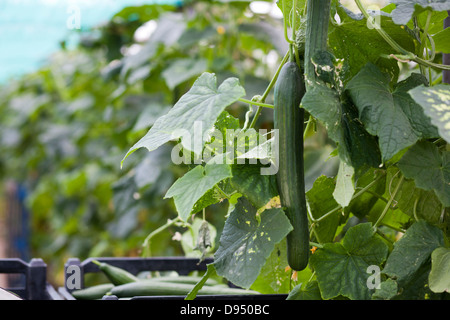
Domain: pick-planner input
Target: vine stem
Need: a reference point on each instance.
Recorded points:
(268, 89)
(285, 26)
(256, 103)
(388, 205)
(423, 44)
(356, 195)
(147, 241)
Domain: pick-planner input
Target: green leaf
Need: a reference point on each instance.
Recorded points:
(198, 110)
(429, 168)
(188, 189)
(247, 241)
(321, 201)
(390, 114)
(355, 145)
(435, 102)
(310, 291)
(324, 104)
(435, 24)
(181, 70)
(289, 4)
(352, 41)
(257, 188)
(361, 205)
(273, 278)
(412, 251)
(406, 9)
(439, 278)
(388, 289)
(415, 202)
(441, 41)
(345, 187)
(341, 268)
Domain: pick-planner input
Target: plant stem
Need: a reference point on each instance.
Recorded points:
(147, 242)
(423, 42)
(255, 103)
(315, 244)
(383, 236)
(406, 54)
(221, 192)
(388, 205)
(356, 195)
(268, 89)
(381, 32)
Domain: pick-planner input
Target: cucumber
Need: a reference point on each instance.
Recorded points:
(184, 279)
(93, 292)
(116, 275)
(160, 288)
(288, 119)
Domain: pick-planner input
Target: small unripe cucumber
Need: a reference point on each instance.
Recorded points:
(288, 119)
(93, 292)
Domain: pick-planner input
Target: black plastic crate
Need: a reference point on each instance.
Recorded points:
(34, 285)
(182, 265)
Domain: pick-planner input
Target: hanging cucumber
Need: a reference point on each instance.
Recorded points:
(288, 119)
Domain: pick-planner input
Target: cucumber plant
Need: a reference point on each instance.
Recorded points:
(362, 79)
(372, 119)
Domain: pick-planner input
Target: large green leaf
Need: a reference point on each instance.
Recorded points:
(406, 9)
(341, 268)
(188, 189)
(435, 102)
(352, 41)
(412, 251)
(361, 205)
(289, 5)
(273, 277)
(197, 111)
(356, 146)
(257, 188)
(429, 168)
(247, 241)
(388, 289)
(308, 291)
(439, 278)
(441, 41)
(390, 114)
(321, 201)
